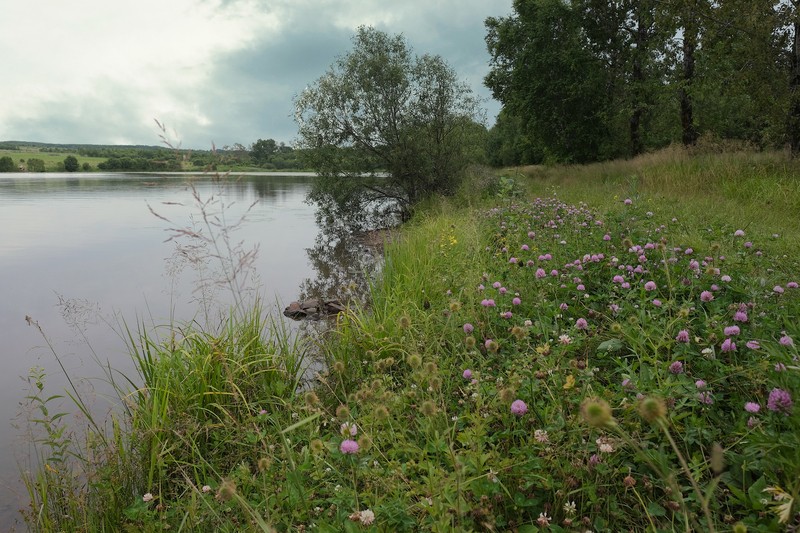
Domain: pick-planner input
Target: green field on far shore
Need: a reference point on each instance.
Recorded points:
(53, 161)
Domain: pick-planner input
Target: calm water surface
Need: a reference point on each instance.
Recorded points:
(81, 253)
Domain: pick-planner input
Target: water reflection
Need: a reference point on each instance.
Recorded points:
(344, 262)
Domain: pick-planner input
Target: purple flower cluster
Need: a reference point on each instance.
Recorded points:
(518, 408)
(779, 401)
(676, 367)
(349, 447)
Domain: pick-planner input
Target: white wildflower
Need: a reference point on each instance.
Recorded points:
(543, 520)
(570, 508)
(366, 517)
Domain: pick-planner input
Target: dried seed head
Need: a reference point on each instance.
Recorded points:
(507, 395)
(629, 481)
(343, 412)
(364, 443)
(380, 412)
(311, 398)
(227, 490)
(264, 463)
(652, 409)
(317, 446)
(596, 412)
(428, 408)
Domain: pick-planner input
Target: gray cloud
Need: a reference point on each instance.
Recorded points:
(243, 92)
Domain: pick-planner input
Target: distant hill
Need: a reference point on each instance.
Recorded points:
(58, 147)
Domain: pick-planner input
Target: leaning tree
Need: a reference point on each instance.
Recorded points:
(385, 129)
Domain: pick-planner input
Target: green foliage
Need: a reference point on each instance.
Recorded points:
(273, 155)
(71, 163)
(544, 72)
(35, 165)
(7, 164)
(263, 150)
(385, 129)
(583, 80)
(170, 163)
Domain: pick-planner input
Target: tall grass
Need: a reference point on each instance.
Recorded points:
(191, 418)
(757, 189)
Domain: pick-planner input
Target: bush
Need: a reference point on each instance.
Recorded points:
(7, 164)
(71, 163)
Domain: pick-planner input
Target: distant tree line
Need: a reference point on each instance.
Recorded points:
(125, 163)
(262, 154)
(586, 80)
(266, 154)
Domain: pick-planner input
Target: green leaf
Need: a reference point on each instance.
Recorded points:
(756, 493)
(611, 345)
(301, 423)
(655, 509)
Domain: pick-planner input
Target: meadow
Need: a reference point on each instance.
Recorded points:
(53, 161)
(611, 347)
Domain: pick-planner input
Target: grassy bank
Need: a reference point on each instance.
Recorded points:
(529, 362)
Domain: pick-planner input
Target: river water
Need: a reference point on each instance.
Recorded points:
(83, 254)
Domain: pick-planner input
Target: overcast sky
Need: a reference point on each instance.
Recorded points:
(213, 71)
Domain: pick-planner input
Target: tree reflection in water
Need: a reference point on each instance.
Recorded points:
(344, 263)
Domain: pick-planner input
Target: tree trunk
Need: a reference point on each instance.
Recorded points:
(689, 132)
(794, 91)
(637, 81)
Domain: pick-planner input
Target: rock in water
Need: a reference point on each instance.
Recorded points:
(313, 309)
